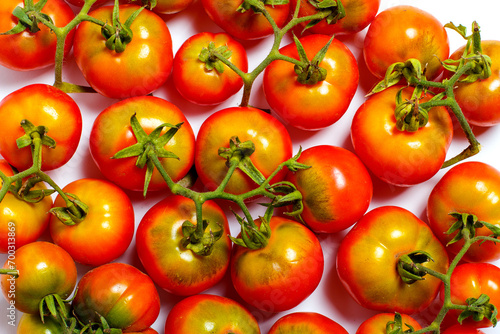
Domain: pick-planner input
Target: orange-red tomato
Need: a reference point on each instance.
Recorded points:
(306, 322)
(377, 324)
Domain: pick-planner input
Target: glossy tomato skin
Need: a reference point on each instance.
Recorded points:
(200, 85)
(463, 329)
(44, 269)
(111, 132)
(403, 32)
(470, 187)
(29, 51)
(306, 322)
(31, 323)
(377, 323)
(173, 267)
(398, 157)
(129, 73)
(273, 146)
(368, 255)
(282, 274)
(41, 105)
(21, 222)
(110, 220)
(313, 106)
(336, 190)
(97, 294)
(210, 314)
(247, 25)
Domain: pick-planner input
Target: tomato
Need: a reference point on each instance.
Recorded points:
(172, 266)
(247, 25)
(210, 314)
(273, 146)
(463, 329)
(306, 322)
(399, 157)
(29, 51)
(336, 190)
(403, 32)
(31, 323)
(204, 85)
(282, 274)
(21, 222)
(42, 105)
(479, 100)
(142, 68)
(368, 257)
(470, 187)
(44, 269)
(111, 132)
(164, 6)
(377, 324)
(107, 291)
(110, 220)
(311, 107)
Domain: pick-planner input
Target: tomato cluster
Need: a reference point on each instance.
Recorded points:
(136, 176)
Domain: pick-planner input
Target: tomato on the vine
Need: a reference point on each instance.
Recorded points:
(306, 322)
(377, 324)
(163, 6)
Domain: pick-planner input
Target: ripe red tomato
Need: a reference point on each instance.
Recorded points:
(272, 146)
(311, 107)
(470, 187)
(110, 219)
(403, 32)
(404, 158)
(282, 274)
(198, 81)
(463, 329)
(368, 257)
(108, 290)
(29, 51)
(377, 324)
(163, 6)
(336, 190)
(42, 105)
(111, 132)
(173, 267)
(142, 68)
(308, 322)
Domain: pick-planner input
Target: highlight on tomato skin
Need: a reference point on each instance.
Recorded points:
(307, 322)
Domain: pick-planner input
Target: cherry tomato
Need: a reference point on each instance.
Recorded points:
(271, 139)
(336, 190)
(198, 81)
(399, 157)
(142, 68)
(368, 257)
(311, 107)
(172, 266)
(31, 323)
(247, 25)
(27, 51)
(42, 105)
(44, 269)
(306, 322)
(164, 6)
(282, 274)
(403, 32)
(470, 187)
(108, 290)
(462, 329)
(111, 132)
(210, 314)
(377, 324)
(110, 219)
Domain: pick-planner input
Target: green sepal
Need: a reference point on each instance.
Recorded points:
(396, 326)
(53, 305)
(469, 222)
(478, 309)
(30, 129)
(258, 6)
(66, 216)
(407, 268)
(310, 73)
(200, 243)
(253, 237)
(335, 8)
(209, 54)
(410, 115)
(460, 29)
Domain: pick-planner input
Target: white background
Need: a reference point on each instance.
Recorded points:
(330, 298)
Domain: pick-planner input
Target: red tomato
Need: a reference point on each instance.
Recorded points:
(204, 85)
(247, 25)
(210, 314)
(308, 322)
(368, 257)
(377, 324)
(399, 157)
(463, 329)
(108, 290)
(336, 190)
(111, 132)
(110, 219)
(413, 33)
(282, 274)
(272, 146)
(29, 51)
(163, 6)
(142, 68)
(470, 187)
(42, 105)
(311, 107)
(172, 266)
